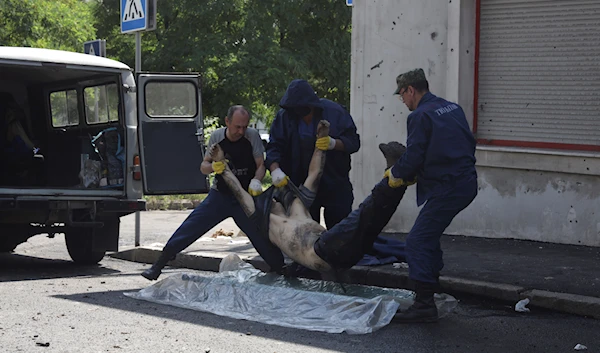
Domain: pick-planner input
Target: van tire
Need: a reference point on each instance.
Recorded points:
(80, 247)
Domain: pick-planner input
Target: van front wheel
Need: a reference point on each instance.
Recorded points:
(80, 247)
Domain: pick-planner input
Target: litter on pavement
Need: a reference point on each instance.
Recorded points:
(521, 306)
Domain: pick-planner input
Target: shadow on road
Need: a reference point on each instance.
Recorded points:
(16, 267)
(336, 343)
(480, 328)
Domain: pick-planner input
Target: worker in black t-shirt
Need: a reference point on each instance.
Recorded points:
(244, 152)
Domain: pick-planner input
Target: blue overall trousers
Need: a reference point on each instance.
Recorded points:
(215, 208)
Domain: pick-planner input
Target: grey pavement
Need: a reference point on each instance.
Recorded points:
(48, 299)
(559, 277)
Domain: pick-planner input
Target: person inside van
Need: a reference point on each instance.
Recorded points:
(19, 157)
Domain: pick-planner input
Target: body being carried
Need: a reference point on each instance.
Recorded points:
(292, 229)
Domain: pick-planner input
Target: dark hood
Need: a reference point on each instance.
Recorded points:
(300, 94)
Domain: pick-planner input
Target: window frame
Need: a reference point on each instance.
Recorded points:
(65, 90)
(104, 83)
(507, 142)
(196, 112)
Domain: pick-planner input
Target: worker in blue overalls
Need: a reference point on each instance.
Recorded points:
(440, 154)
(292, 142)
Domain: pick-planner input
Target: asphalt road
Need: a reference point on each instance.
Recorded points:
(46, 300)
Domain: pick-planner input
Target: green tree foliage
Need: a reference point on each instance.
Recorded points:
(119, 46)
(191, 36)
(246, 51)
(53, 24)
(283, 40)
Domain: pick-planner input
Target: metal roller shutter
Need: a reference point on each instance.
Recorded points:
(539, 71)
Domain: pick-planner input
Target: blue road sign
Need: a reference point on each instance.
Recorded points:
(95, 47)
(349, 2)
(133, 15)
(92, 47)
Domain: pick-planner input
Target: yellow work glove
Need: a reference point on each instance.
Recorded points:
(325, 143)
(255, 187)
(218, 167)
(279, 178)
(396, 182)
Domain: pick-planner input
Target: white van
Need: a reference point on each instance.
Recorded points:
(82, 139)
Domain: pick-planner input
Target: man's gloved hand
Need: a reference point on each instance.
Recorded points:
(255, 187)
(325, 143)
(218, 167)
(279, 178)
(396, 182)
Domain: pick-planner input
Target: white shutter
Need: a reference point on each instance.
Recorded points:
(539, 71)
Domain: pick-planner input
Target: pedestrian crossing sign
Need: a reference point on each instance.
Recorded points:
(95, 47)
(133, 15)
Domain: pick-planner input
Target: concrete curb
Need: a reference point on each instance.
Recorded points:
(396, 278)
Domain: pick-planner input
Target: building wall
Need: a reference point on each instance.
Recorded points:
(543, 195)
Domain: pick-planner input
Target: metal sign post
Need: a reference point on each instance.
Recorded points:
(138, 16)
(97, 48)
(138, 68)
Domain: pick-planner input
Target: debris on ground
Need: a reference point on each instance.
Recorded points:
(520, 307)
(222, 233)
(580, 347)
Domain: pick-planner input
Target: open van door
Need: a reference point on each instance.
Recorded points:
(171, 133)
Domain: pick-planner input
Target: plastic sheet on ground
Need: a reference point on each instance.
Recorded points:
(241, 291)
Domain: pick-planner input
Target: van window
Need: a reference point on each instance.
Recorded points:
(101, 103)
(63, 105)
(171, 99)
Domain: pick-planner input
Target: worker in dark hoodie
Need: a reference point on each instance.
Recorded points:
(292, 142)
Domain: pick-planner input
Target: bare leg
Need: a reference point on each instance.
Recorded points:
(317, 163)
(315, 172)
(294, 235)
(240, 194)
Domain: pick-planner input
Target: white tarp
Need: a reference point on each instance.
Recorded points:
(240, 291)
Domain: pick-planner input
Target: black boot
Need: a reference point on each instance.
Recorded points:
(392, 151)
(153, 272)
(424, 309)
